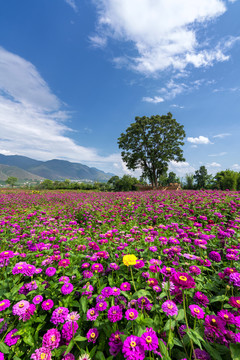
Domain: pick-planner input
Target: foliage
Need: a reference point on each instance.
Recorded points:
(227, 179)
(126, 183)
(203, 180)
(150, 143)
(11, 180)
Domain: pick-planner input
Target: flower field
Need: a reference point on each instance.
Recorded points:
(141, 275)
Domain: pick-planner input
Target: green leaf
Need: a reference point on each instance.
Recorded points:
(84, 303)
(235, 351)
(163, 350)
(213, 352)
(28, 339)
(69, 348)
(4, 348)
(220, 298)
(92, 352)
(194, 338)
(180, 315)
(100, 356)
(80, 338)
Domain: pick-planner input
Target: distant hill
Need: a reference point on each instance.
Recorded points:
(6, 171)
(55, 169)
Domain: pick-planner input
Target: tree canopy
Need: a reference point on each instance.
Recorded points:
(11, 180)
(151, 143)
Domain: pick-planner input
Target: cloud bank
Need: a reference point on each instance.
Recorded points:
(159, 38)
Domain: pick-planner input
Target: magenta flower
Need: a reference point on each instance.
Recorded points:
(101, 306)
(64, 279)
(201, 299)
(50, 271)
(69, 328)
(98, 268)
(47, 304)
(73, 316)
(126, 286)
(1, 356)
(196, 311)
(92, 314)
(194, 270)
(67, 288)
(183, 280)
(131, 314)
(59, 315)
(4, 304)
(69, 356)
(42, 353)
(133, 349)
(20, 307)
(115, 313)
(115, 343)
(92, 335)
(12, 339)
(149, 340)
(37, 299)
(227, 316)
(170, 308)
(51, 339)
(116, 291)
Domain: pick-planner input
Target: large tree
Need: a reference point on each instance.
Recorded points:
(150, 143)
(11, 180)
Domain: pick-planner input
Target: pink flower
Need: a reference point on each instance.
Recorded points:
(51, 339)
(196, 311)
(170, 308)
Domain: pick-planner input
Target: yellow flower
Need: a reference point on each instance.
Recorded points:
(129, 260)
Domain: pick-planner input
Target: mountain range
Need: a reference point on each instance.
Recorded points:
(24, 167)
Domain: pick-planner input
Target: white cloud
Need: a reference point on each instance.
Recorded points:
(72, 4)
(221, 136)
(177, 106)
(214, 164)
(161, 39)
(235, 167)
(32, 118)
(98, 41)
(199, 140)
(181, 168)
(219, 154)
(154, 100)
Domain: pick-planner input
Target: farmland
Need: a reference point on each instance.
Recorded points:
(137, 275)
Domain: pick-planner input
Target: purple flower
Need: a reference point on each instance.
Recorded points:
(47, 304)
(131, 314)
(194, 270)
(87, 274)
(4, 304)
(144, 303)
(215, 256)
(116, 291)
(1, 356)
(196, 311)
(170, 308)
(149, 340)
(92, 314)
(227, 316)
(37, 299)
(115, 343)
(20, 307)
(126, 286)
(115, 313)
(42, 353)
(214, 324)
(50, 271)
(73, 316)
(59, 315)
(28, 313)
(107, 291)
(67, 288)
(64, 279)
(183, 280)
(235, 279)
(133, 349)
(98, 268)
(201, 299)
(69, 356)
(69, 329)
(51, 339)
(10, 339)
(92, 335)
(201, 355)
(101, 306)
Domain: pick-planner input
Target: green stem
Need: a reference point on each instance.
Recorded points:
(133, 279)
(185, 314)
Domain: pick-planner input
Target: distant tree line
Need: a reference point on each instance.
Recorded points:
(223, 180)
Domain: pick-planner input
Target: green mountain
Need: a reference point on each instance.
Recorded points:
(6, 171)
(55, 169)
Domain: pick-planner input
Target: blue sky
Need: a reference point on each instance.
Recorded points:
(75, 73)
